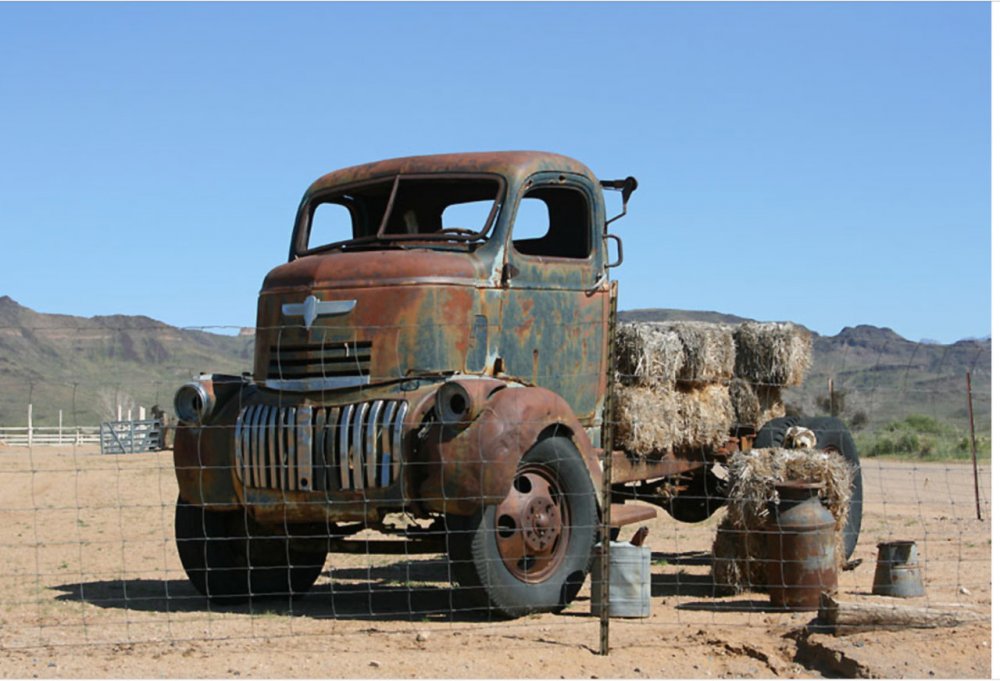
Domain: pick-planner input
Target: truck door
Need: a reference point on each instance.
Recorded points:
(555, 301)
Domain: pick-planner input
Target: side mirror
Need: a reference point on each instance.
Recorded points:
(626, 187)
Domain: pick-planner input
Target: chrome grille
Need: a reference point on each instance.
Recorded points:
(303, 449)
(319, 366)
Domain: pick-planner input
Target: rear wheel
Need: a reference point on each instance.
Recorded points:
(832, 436)
(532, 551)
(229, 557)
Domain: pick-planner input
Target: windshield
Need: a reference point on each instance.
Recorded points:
(404, 209)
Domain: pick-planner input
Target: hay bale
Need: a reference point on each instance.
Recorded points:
(734, 552)
(709, 351)
(771, 404)
(740, 545)
(652, 421)
(772, 353)
(696, 353)
(643, 419)
(647, 355)
(706, 415)
(746, 404)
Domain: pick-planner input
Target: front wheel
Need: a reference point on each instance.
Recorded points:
(230, 558)
(532, 551)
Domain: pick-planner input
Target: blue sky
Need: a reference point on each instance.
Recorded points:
(823, 163)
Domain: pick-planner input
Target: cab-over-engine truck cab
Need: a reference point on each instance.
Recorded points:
(444, 356)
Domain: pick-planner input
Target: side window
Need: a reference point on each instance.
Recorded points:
(331, 222)
(553, 222)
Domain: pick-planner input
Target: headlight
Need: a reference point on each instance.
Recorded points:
(454, 406)
(193, 402)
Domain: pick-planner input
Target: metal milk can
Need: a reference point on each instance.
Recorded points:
(802, 548)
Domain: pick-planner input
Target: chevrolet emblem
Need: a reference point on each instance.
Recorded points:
(312, 307)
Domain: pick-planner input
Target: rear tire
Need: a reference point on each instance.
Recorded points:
(831, 435)
(532, 551)
(230, 558)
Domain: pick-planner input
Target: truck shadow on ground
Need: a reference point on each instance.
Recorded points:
(681, 582)
(410, 590)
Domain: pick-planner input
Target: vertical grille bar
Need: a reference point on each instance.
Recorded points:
(272, 450)
(372, 442)
(330, 450)
(247, 422)
(385, 459)
(345, 446)
(238, 442)
(290, 442)
(319, 448)
(303, 449)
(281, 449)
(357, 446)
(397, 440)
(260, 418)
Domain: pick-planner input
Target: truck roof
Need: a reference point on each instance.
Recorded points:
(515, 165)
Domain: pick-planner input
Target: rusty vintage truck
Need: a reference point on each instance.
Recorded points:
(435, 348)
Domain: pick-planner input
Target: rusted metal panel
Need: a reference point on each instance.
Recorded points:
(465, 469)
(412, 331)
(514, 165)
(628, 468)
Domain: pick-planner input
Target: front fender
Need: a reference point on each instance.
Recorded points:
(203, 457)
(475, 465)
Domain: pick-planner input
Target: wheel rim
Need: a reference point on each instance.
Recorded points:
(533, 525)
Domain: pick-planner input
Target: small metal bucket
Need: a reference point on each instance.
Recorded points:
(629, 583)
(897, 572)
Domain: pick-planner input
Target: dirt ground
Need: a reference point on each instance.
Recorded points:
(93, 588)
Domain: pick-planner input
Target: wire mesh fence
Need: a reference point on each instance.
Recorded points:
(372, 520)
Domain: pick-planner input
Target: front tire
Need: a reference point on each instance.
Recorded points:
(532, 551)
(230, 558)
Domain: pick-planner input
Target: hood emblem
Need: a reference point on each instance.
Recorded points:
(312, 307)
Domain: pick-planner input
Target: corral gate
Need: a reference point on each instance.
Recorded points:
(130, 437)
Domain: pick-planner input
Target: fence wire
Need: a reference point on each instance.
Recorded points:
(352, 541)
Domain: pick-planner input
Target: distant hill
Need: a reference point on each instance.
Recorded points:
(882, 374)
(671, 315)
(79, 364)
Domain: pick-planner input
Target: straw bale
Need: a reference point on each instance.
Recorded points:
(734, 553)
(771, 404)
(709, 351)
(651, 421)
(698, 353)
(707, 415)
(772, 353)
(647, 355)
(740, 545)
(643, 419)
(746, 404)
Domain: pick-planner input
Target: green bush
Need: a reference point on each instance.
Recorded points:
(919, 436)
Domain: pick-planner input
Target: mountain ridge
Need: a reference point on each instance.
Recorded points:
(79, 364)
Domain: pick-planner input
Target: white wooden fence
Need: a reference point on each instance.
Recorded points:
(31, 436)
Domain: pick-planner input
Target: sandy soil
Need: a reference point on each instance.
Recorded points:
(93, 588)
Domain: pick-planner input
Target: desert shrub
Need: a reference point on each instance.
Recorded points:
(921, 437)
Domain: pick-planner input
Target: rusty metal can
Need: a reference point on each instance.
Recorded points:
(802, 548)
